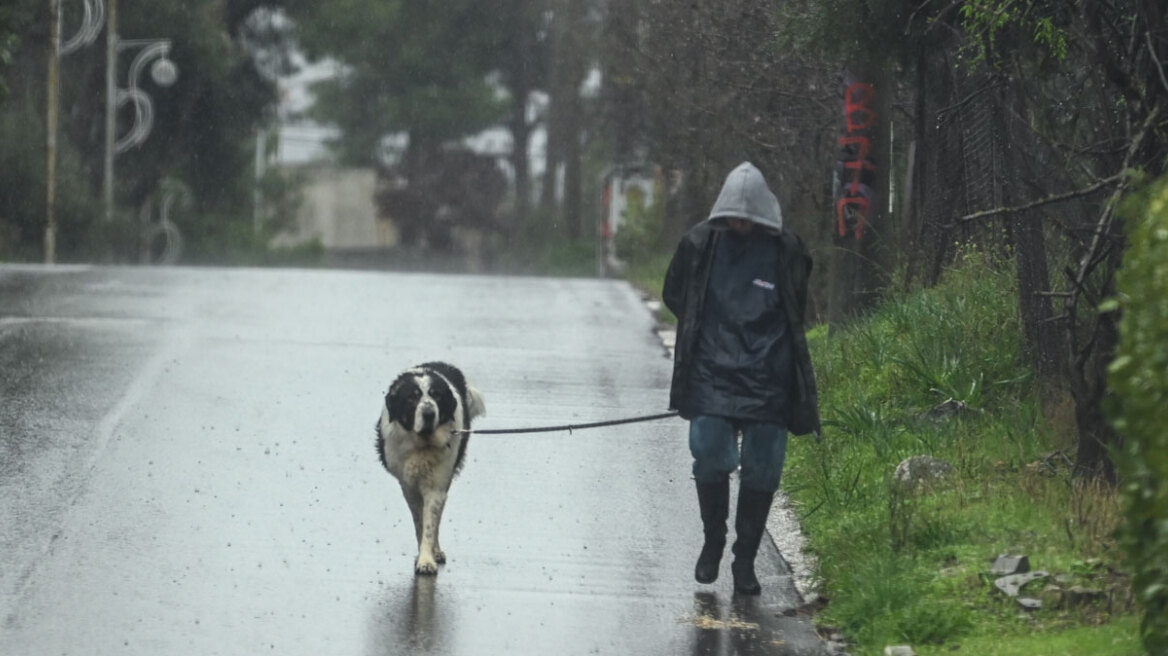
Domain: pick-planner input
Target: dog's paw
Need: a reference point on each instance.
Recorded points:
(440, 557)
(425, 566)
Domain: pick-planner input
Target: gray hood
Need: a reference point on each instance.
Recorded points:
(745, 195)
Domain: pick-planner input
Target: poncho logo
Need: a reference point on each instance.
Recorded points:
(759, 282)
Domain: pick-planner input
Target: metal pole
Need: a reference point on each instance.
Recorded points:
(111, 106)
(51, 131)
(257, 192)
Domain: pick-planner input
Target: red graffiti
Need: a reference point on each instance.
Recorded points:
(856, 203)
(861, 163)
(862, 142)
(858, 100)
(841, 208)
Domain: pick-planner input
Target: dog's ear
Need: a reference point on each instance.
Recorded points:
(476, 405)
(396, 400)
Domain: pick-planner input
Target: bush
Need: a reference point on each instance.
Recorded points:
(1139, 378)
(567, 258)
(225, 241)
(639, 239)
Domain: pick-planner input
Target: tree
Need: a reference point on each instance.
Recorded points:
(14, 19)
(859, 264)
(572, 46)
(696, 88)
(1027, 116)
(521, 52)
(409, 67)
(1117, 124)
(436, 73)
(203, 131)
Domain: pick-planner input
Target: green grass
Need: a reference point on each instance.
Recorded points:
(940, 372)
(912, 567)
(648, 274)
(1118, 638)
(567, 259)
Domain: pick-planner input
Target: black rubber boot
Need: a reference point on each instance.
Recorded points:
(714, 501)
(753, 508)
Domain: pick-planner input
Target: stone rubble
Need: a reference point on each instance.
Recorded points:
(1006, 565)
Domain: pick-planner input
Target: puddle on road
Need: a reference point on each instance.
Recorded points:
(715, 624)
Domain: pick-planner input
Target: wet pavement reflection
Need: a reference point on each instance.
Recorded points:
(189, 469)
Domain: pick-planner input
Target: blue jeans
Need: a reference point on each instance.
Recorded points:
(714, 445)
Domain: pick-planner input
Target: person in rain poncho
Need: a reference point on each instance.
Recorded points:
(738, 287)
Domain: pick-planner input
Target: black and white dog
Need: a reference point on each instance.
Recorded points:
(420, 443)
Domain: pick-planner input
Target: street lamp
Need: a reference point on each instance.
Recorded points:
(91, 24)
(163, 72)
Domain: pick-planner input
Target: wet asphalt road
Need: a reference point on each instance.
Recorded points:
(187, 467)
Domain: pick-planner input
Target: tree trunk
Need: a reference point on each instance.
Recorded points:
(520, 138)
(1040, 334)
(862, 197)
(912, 219)
(697, 192)
(1088, 385)
(554, 123)
(573, 193)
(568, 68)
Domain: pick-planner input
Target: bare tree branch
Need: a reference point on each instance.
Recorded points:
(1108, 214)
(911, 17)
(1155, 59)
(943, 113)
(1118, 177)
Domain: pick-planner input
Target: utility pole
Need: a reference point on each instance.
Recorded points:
(261, 154)
(90, 26)
(111, 106)
(51, 115)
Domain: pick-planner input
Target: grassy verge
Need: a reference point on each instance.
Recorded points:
(649, 275)
(1119, 637)
(939, 373)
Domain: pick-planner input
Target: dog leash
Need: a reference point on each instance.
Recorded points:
(568, 427)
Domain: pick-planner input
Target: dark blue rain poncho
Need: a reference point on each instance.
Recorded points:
(740, 303)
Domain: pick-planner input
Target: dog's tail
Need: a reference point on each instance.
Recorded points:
(475, 405)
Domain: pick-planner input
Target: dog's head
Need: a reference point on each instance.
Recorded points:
(421, 402)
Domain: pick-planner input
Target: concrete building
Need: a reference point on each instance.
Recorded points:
(338, 211)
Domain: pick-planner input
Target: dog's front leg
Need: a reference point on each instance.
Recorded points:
(433, 501)
(439, 555)
(414, 501)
